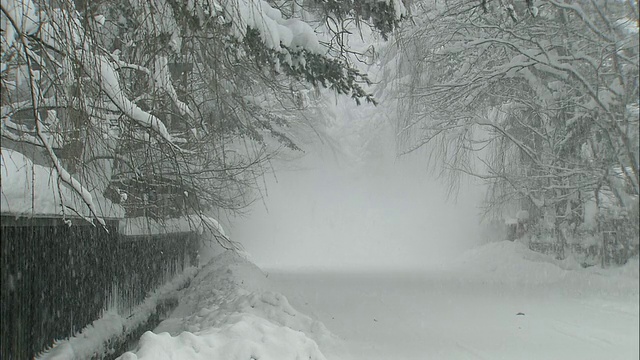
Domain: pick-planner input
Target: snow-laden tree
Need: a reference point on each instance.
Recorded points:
(543, 93)
(167, 106)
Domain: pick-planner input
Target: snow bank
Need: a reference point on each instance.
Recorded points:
(246, 337)
(511, 261)
(95, 338)
(514, 262)
(227, 313)
(28, 189)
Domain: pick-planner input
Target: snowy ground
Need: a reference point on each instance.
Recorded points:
(499, 301)
(470, 309)
(228, 312)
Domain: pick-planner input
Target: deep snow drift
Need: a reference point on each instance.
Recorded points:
(228, 312)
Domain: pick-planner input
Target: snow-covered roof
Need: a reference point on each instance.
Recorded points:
(28, 189)
(140, 226)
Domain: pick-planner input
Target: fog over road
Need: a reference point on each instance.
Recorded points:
(328, 216)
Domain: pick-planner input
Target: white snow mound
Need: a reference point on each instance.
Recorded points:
(227, 313)
(511, 262)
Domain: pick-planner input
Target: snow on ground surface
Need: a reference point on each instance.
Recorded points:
(498, 301)
(228, 312)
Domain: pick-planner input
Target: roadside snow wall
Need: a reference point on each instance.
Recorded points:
(228, 313)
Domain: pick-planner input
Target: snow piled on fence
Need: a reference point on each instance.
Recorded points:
(28, 189)
(146, 226)
(94, 339)
(228, 313)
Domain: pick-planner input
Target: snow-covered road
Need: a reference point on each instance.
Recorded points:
(461, 314)
(497, 301)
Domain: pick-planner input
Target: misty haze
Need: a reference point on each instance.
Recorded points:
(319, 179)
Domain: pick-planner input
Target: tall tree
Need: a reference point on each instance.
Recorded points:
(164, 106)
(544, 93)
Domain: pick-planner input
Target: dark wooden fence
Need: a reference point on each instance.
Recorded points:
(56, 278)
